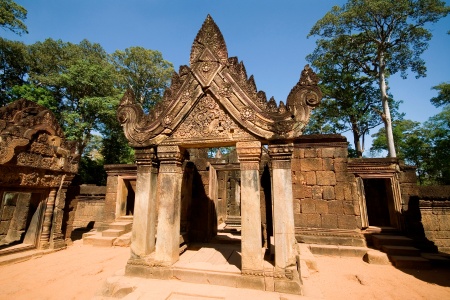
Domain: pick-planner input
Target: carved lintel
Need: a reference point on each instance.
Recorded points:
(145, 156)
(281, 151)
(249, 154)
(171, 159)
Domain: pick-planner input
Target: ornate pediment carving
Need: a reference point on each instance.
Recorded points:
(30, 136)
(215, 78)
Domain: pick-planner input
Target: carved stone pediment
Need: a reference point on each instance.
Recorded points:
(213, 101)
(30, 137)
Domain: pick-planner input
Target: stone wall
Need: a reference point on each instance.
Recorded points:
(434, 205)
(324, 192)
(90, 206)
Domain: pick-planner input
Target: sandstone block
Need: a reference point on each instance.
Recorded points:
(347, 222)
(339, 192)
(327, 164)
(311, 164)
(326, 178)
(313, 220)
(329, 221)
(335, 207)
(311, 153)
(307, 206)
(321, 206)
(328, 193)
(310, 178)
(328, 152)
(349, 208)
(376, 257)
(295, 164)
(341, 152)
(317, 192)
(298, 153)
(300, 220)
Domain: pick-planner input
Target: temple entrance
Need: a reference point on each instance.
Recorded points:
(126, 193)
(21, 217)
(378, 197)
(213, 103)
(380, 201)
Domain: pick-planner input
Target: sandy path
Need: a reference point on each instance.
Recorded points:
(75, 273)
(79, 272)
(351, 278)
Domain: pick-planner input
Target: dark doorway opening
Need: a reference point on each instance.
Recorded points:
(377, 201)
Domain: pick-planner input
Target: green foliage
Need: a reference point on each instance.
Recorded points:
(12, 16)
(13, 67)
(378, 38)
(427, 146)
(443, 97)
(83, 85)
(91, 171)
(82, 82)
(145, 72)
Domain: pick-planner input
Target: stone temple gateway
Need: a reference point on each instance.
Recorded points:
(212, 103)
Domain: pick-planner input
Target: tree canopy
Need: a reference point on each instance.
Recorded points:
(350, 101)
(12, 16)
(379, 38)
(83, 85)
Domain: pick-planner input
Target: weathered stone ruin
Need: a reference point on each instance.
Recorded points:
(37, 165)
(212, 103)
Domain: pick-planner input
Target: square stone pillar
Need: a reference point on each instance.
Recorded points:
(249, 155)
(169, 192)
(144, 218)
(283, 210)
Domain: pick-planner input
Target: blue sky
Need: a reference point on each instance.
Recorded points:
(269, 36)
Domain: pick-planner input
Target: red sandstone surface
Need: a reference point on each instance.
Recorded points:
(79, 271)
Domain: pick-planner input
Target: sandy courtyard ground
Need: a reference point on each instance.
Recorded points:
(79, 271)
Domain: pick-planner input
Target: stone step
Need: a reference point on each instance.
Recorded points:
(338, 250)
(414, 262)
(397, 240)
(400, 250)
(439, 260)
(101, 241)
(125, 226)
(112, 233)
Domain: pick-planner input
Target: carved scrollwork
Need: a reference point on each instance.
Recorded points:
(214, 101)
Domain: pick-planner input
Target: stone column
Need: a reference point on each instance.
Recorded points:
(283, 211)
(56, 234)
(249, 155)
(169, 192)
(144, 219)
(48, 214)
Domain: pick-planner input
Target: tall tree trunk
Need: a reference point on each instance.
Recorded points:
(356, 140)
(386, 111)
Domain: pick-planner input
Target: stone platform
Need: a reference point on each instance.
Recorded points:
(217, 264)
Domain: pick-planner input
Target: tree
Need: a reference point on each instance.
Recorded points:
(411, 145)
(12, 16)
(380, 38)
(437, 132)
(350, 101)
(443, 96)
(145, 72)
(13, 67)
(81, 79)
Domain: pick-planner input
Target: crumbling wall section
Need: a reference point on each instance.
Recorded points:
(90, 206)
(434, 205)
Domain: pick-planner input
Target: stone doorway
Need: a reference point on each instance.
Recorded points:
(378, 198)
(21, 219)
(126, 188)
